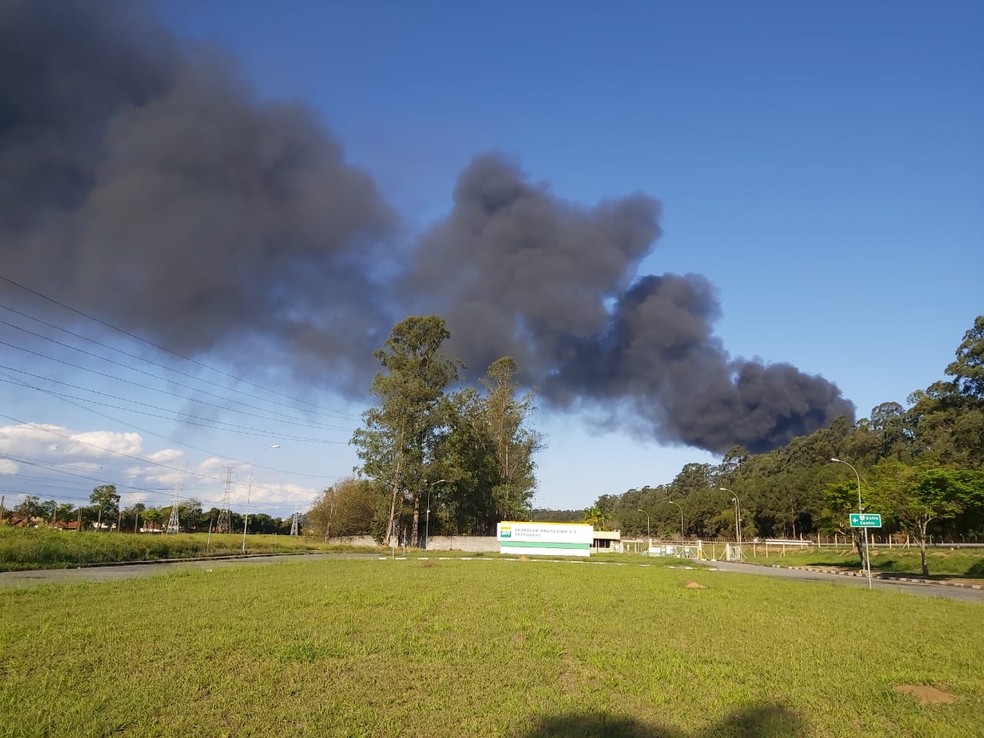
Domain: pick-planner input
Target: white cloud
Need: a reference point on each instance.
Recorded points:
(54, 442)
(166, 456)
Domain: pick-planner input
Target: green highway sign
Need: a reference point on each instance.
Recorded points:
(865, 520)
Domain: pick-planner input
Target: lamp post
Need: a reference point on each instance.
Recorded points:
(249, 489)
(649, 536)
(867, 552)
(427, 515)
(681, 518)
(737, 517)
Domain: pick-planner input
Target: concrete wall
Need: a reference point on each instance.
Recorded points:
(355, 541)
(471, 544)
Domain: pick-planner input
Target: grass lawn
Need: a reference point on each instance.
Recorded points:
(482, 648)
(944, 563)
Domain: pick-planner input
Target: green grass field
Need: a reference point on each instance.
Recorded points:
(944, 563)
(486, 647)
(44, 548)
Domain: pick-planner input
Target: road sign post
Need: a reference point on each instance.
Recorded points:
(865, 520)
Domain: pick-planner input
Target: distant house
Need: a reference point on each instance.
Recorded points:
(607, 541)
(61, 525)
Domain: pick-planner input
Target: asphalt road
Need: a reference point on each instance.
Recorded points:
(130, 571)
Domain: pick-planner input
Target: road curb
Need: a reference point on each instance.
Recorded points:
(879, 577)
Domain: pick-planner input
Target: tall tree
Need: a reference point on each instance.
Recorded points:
(106, 501)
(396, 443)
(513, 442)
(967, 369)
(915, 497)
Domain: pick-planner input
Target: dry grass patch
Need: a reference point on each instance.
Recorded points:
(927, 695)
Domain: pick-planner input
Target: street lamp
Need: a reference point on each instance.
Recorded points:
(648, 534)
(427, 518)
(681, 518)
(249, 490)
(737, 517)
(867, 552)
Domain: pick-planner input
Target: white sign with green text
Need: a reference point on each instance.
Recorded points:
(544, 539)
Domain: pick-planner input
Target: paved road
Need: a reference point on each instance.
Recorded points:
(925, 590)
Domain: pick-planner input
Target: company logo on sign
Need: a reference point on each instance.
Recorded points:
(505, 532)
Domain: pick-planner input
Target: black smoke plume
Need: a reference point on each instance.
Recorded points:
(141, 180)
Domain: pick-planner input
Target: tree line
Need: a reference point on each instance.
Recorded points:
(920, 466)
(434, 459)
(104, 513)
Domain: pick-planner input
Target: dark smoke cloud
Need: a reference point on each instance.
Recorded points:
(142, 181)
(142, 178)
(517, 271)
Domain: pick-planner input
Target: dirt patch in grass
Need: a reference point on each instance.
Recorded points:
(693, 585)
(428, 564)
(927, 695)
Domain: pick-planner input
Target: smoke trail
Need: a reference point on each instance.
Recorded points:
(141, 180)
(141, 177)
(533, 278)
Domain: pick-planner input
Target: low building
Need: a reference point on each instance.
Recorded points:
(607, 541)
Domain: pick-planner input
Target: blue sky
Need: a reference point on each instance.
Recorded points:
(821, 164)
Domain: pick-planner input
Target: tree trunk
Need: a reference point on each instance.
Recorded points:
(922, 548)
(859, 545)
(415, 529)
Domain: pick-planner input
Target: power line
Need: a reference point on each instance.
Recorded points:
(159, 365)
(187, 419)
(151, 343)
(272, 415)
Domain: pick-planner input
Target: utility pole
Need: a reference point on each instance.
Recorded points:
(293, 525)
(2, 500)
(172, 524)
(225, 517)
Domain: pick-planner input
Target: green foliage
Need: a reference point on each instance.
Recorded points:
(22, 549)
(470, 453)
(106, 501)
(352, 507)
(397, 441)
(919, 460)
(967, 369)
(594, 516)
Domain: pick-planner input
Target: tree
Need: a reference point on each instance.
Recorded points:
(29, 509)
(514, 444)
(841, 499)
(594, 516)
(397, 442)
(352, 507)
(131, 516)
(106, 501)
(967, 369)
(915, 497)
(486, 453)
(65, 512)
(190, 515)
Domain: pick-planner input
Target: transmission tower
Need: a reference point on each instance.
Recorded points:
(293, 524)
(172, 524)
(225, 517)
